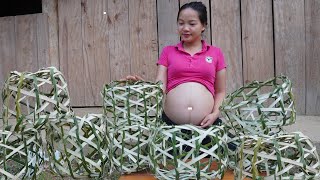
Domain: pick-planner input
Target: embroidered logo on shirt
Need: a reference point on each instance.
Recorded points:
(209, 59)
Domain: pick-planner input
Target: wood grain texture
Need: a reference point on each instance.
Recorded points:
(43, 40)
(143, 38)
(94, 50)
(226, 34)
(87, 26)
(257, 40)
(207, 32)
(100, 70)
(289, 33)
(167, 23)
(50, 7)
(70, 49)
(7, 49)
(119, 39)
(312, 17)
(26, 42)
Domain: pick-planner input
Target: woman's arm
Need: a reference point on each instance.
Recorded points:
(162, 76)
(220, 92)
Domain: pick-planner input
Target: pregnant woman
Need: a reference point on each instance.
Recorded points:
(193, 73)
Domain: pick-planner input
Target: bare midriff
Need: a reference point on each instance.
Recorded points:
(188, 103)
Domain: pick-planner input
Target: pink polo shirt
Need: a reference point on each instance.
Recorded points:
(201, 67)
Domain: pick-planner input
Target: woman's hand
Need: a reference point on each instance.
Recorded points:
(209, 119)
(132, 78)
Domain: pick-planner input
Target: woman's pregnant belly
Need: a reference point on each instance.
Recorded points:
(188, 103)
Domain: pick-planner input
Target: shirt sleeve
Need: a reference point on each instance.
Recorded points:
(163, 59)
(221, 62)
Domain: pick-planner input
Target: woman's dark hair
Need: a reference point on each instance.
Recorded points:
(199, 7)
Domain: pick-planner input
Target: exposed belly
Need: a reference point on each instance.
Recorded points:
(188, 103)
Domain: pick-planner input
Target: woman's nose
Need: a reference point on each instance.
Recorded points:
(185, 28)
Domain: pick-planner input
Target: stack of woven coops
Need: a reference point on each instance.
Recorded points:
(260, 110)
(132, 109)
(78, 147)
(30, 100)
(286, 156)
(188, 152)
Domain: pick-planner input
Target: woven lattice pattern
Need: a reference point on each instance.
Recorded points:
(260, 107)
(34, 97)
(188, 152)
(129, 148)
(128, 103)
(20, 154)
(78, 147)
(288, 156)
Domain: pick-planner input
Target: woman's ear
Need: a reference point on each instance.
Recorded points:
(203, 29)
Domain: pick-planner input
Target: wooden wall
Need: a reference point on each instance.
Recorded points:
(96, 41)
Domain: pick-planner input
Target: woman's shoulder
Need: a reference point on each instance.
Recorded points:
(169, 48)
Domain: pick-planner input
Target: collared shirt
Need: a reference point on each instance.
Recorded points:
(201, 67)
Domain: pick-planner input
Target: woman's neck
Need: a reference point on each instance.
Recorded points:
(193, 47)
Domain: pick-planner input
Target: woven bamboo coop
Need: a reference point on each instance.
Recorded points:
(260, 107)
(33, 98)
(128, 103)
(287, 156)
(188, 152)
(21, 156)
(77, 146)
(131, 108)
(129, 148)
(256, 109)
(30, 100)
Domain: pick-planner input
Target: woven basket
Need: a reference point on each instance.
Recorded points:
(188, 152)
(77, 146)
(21, 156)
(260, 107)
(129, 103)
(288, 156)
(129, 148)
(33, 98)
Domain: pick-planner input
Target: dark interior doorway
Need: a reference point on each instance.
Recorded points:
(19, 7)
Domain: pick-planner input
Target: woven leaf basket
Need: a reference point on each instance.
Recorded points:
(288, 156)
(129, 148)
(188, 152)
(33, 98)
(21, 156)
(128, 103)
(77, 146)
(260, 107)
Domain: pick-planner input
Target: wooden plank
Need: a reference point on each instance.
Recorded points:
(207, 32)
(87, 26)
(119, 40)
(26, 43)
(7, 49)
(167, 22)
(100, 70)
(50, 7)
(43, 40)
(257, 40)
(95, 50)
(226, 34)
(143, 38)
(312, 12)
(289, 29)
(70, 49)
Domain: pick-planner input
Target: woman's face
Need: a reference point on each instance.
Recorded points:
(190, 27)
